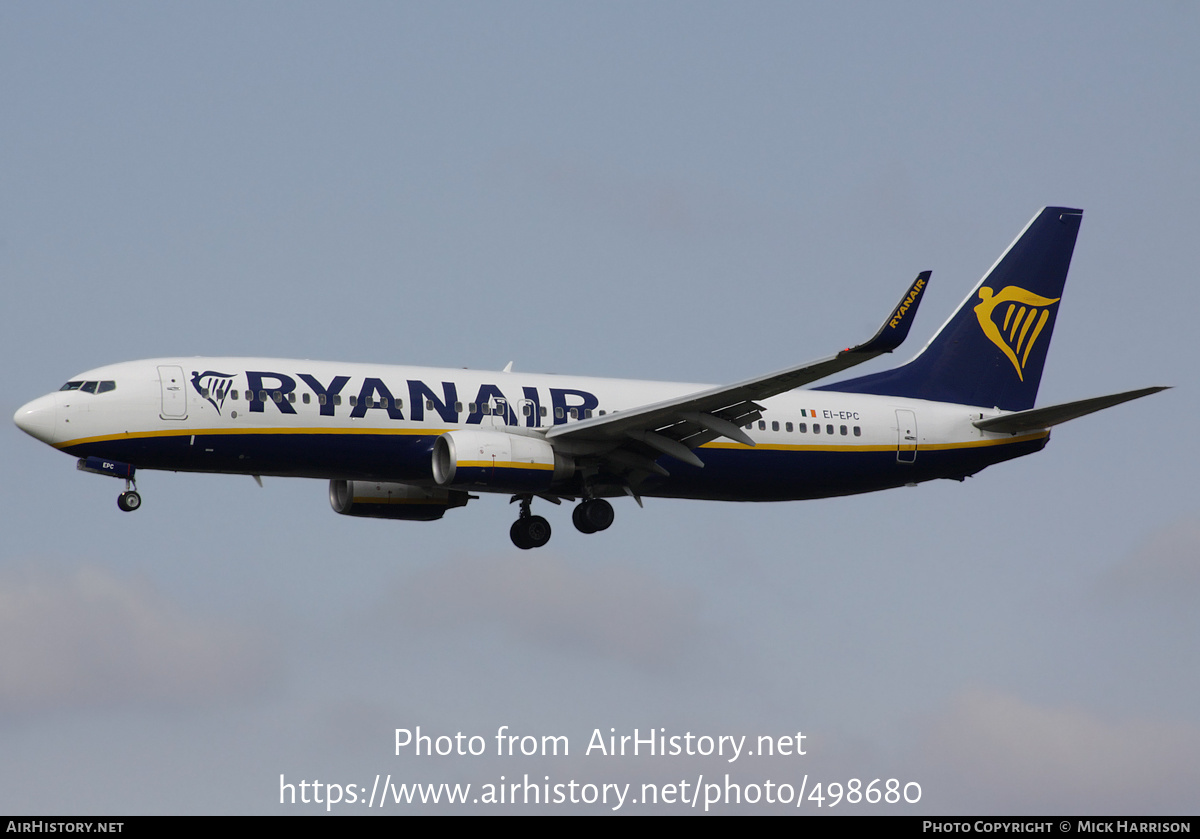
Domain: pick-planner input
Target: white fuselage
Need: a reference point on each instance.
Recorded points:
(288, 417)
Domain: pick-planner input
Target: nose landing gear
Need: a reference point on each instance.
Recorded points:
(129, 500)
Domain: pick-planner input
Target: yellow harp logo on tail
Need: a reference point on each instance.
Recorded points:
(1023, 319)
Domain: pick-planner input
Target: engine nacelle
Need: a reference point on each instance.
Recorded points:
(498, 460)
(392, 501)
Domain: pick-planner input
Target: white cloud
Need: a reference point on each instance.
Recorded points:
(92, 639)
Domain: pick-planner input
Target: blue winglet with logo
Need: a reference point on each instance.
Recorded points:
(992, 350)
(895, 328)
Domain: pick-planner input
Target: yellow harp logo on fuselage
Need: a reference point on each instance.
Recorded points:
(1024, 318)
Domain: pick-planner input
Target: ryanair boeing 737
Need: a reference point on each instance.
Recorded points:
(413, 442)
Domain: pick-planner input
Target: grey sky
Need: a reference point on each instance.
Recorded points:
(678, 191)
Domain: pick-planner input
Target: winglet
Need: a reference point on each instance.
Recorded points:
(895, 328)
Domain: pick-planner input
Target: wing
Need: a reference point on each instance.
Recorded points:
(635, 438)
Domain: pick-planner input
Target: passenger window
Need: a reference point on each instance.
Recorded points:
(527, 409)
(337, 400)
(603, 412)
(262, 396)
(803, 427)
(233, 395)
(762, 425)
(204, 392)
(428, 404)
(574, 413)
(353, 401)
(788, 426)
(587, 414)
(322, 399)
(843, 430)
(292, 397)
(558, 413)
(89, 387)
(542, 410)
(472, 407)
(277, 396)
(829, 429)
(306, 398)
(857, 431)
(816, 428)
(775, 425)
(105, 387)
(458, 407)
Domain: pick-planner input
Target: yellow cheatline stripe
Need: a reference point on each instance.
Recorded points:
(783, 447)
(216, 432)
(1038, 435)
(925, 447)
(379, 432)
(501, 464)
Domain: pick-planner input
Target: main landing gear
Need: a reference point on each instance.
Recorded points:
(592, 515)
(529, 531)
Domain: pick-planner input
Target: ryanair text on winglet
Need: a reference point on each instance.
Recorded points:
(917, 288)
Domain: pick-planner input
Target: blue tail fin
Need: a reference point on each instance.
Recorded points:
(992, 350)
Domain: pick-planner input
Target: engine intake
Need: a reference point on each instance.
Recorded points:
(498, 460)
(392, 501)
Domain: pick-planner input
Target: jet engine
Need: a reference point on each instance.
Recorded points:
(498, 460)
(392, 501)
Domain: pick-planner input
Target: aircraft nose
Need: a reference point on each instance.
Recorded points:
(37, 418)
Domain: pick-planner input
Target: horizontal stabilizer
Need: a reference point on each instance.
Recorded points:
(1038, 418)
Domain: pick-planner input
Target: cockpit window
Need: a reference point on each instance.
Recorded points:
(91, 387)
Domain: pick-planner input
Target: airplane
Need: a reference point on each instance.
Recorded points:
(411, 443)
